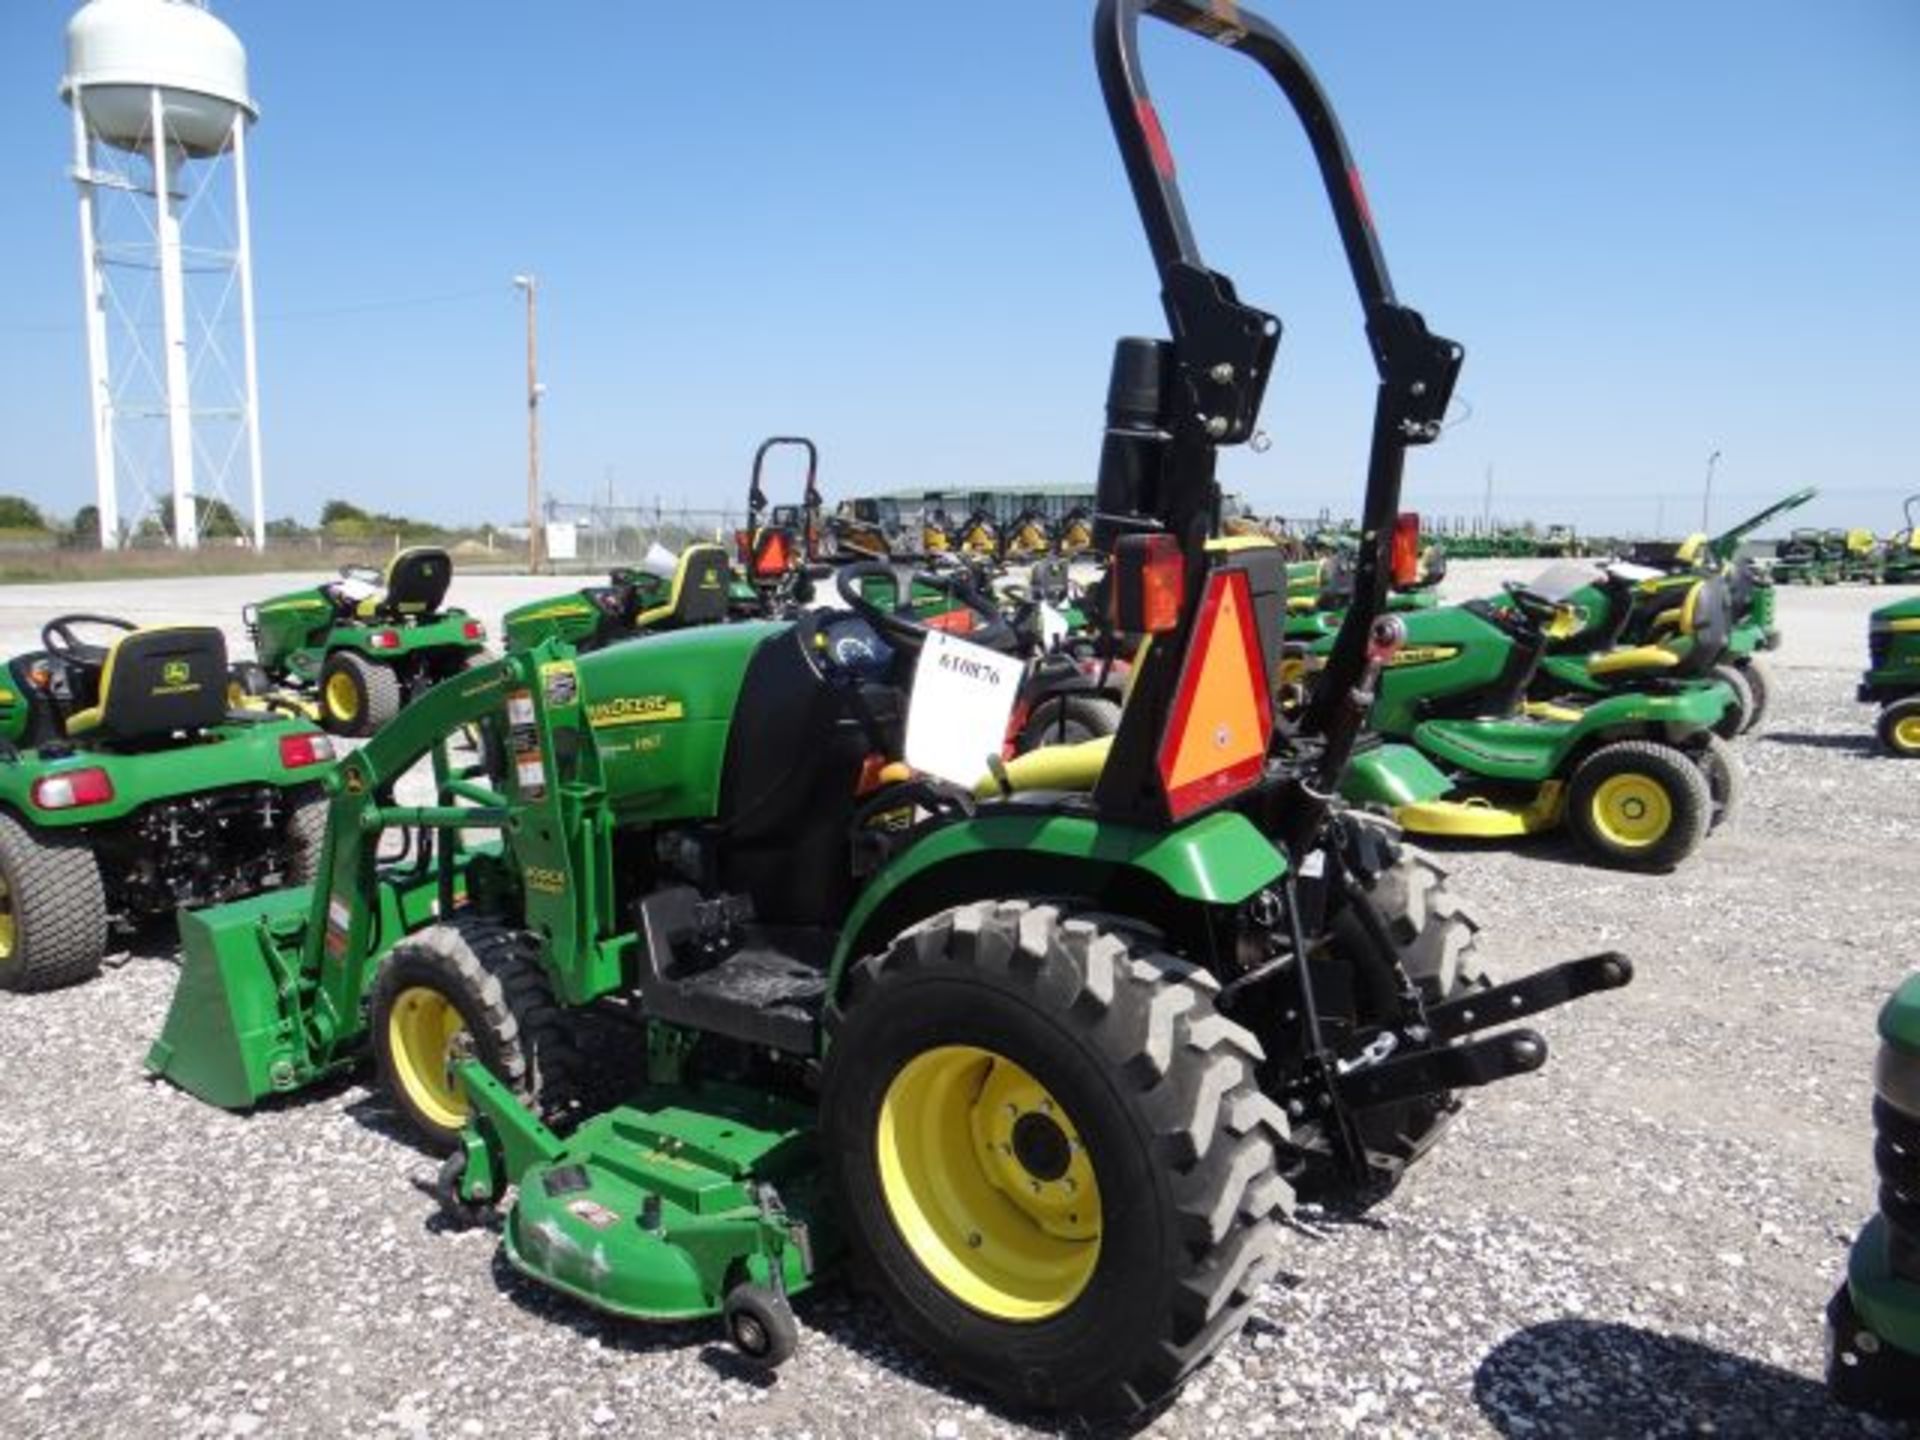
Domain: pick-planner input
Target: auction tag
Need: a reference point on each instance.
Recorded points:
(962, 699)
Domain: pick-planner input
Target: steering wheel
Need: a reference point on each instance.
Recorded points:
(59, 641)
(899, 623)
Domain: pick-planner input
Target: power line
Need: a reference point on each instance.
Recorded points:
(315, 312)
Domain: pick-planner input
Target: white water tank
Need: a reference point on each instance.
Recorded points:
(120, 51)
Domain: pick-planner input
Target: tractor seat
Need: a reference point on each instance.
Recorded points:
(158, 681)
(1690, 637)
(415, 584)
(698, 593)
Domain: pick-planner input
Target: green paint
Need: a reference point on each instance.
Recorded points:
(1392, 775)
(1900, 1020)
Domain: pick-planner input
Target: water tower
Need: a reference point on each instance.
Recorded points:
(158, 90)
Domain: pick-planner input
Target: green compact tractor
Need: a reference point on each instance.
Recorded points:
(1873, 1322)
(1045, 1065)
(695, 587)
(128, 790)
(1892, 680)
(369, 642)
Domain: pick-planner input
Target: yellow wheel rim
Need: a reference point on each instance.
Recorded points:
(6, 919)
(342, 696)
(1632, 811)
(425, 1035)
(989, 1183)
(1906, 736)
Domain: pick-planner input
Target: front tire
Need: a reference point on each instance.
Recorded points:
(470, 989)
(1639, 805)
(53, 909)
(1053, 1160)
(357, 695)
(1899, 729)
(1726, 780)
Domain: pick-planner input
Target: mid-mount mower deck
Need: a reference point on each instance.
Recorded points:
(1047, 1067)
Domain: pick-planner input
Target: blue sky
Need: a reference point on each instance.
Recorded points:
(1658, 229)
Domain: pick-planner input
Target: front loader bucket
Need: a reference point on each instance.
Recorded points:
(228, 1038)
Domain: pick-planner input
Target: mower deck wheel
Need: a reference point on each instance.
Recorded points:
(357, 695)
(760, 1325)
(460, 1212)
(1639, 804)
(1899, 728)
(53, 909)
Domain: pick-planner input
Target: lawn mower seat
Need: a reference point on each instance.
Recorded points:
(1692, 636)
(415, 584)
(158, 681)
(698, 594)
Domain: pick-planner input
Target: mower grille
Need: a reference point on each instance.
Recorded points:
(1896, 1155)
(1879, 649)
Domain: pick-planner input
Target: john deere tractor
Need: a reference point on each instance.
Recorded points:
(368, 642)
(128, 790)
(1873, 1322)
(1892, 680)
(1043, 1057)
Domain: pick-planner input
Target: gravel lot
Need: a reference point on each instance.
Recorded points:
(1639, 1240)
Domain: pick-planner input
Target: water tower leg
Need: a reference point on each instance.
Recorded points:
(249, 351)
(173, 312)
(99, 376)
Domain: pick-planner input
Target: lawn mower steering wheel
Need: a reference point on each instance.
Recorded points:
(59, 641)
(901, 626)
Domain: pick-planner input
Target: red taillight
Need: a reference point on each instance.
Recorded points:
(743, 547)
(71, 789)
(1150, 580)
(1216, 738)
(474, 630)
(298, 750)
(1406, 550)
(384, 640)
(953, 622)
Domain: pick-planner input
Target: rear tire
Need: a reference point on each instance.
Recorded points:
(1435, 945)
(53, 909)
(1639, 805)
(1068, 720)
(357, 695)
(1899, 729)
(1114, 1066)
(1726, 779)
(471, 988)
(1759, 677)
(1737, 718)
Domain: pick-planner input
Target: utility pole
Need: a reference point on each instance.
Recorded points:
(1486, 503)
(535, 549)
(1706, 496)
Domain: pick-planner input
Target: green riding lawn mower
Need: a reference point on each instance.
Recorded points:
(1873, 1322)
(1902, 564)
(127, 789)
(1044, 1068)
(363, 645)
(1892, 680)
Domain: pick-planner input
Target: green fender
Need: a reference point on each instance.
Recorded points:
(1392, 775)
(1220, 859)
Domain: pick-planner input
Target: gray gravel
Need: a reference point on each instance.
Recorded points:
(1639, 1240)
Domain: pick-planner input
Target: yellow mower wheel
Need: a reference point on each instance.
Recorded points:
(1639, 804)
(426, 1034)
(1899, 728)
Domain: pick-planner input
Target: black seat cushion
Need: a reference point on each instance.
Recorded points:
(158, 681)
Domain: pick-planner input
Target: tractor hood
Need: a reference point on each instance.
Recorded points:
(1902, 616)
(1900, 1020)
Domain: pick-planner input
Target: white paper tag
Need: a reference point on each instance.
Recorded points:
(962, 698)
(1053, 626)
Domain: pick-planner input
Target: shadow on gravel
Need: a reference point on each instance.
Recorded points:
(1862, 744)
(1585, 1378)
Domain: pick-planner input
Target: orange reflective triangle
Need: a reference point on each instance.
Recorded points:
(1216, 738)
